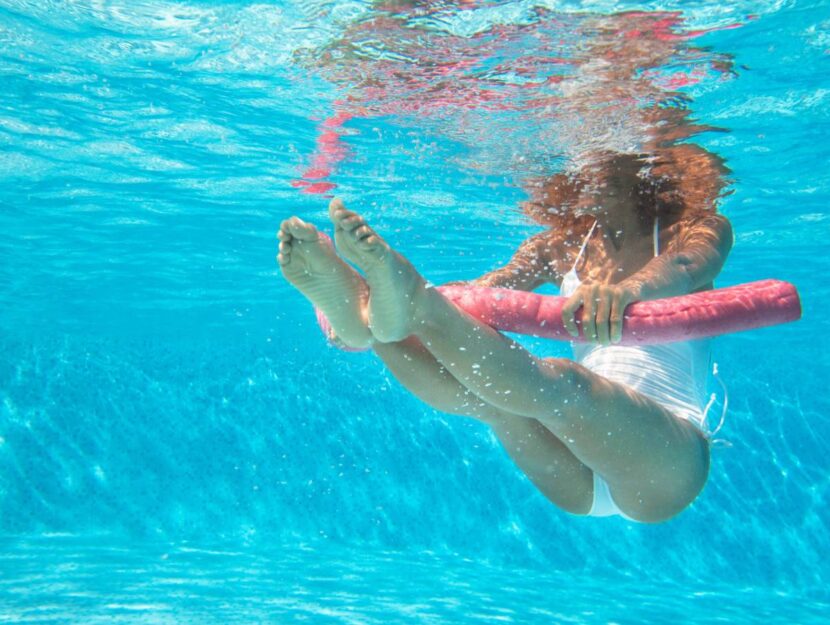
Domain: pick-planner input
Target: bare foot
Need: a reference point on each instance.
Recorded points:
(394, 284)
(308, 261)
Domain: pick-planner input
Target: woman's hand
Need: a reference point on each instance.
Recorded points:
(603, 306)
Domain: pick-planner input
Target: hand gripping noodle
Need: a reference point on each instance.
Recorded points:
(698, 315)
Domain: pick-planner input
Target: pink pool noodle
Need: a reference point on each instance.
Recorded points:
(686, 317)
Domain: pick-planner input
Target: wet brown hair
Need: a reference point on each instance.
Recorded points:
(672, 182)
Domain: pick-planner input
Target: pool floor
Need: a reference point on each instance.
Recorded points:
(61, 579)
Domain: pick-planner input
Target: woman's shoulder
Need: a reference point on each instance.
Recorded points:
(701, 225)
(699, 219)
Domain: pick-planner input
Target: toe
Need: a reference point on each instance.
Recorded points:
(370, 243)
(284, 256)
(363, 231)
(342, 216)
(301, 230)
(334, 206)
(350, 223)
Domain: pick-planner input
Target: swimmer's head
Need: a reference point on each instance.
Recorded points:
(671, 181)
(604, 183)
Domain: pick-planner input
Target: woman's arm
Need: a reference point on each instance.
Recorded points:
(690, 262)
(527, 269)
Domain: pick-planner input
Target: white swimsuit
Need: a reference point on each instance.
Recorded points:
(672, 374)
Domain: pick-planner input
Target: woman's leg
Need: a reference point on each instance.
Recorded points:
(543, 458)
(654, 462)
(308, 261)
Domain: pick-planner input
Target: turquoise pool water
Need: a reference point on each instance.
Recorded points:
(177, 441)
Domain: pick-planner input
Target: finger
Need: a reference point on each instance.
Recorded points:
(285, 247)
(603, 313)
(616, 319)
(283, 235)
(568, 310)
(589, 322)
(282, 259)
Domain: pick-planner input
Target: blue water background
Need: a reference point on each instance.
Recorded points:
(164, 391)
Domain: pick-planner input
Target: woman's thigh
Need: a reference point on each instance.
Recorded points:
(546, 461)
(654, 461)
(542, 457)
(652, 458)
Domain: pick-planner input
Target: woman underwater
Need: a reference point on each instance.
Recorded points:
(618, 430)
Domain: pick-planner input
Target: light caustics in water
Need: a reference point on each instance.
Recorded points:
(148, 148)
(528, 91)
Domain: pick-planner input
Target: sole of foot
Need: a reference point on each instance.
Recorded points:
(308, 260)
(394, 284)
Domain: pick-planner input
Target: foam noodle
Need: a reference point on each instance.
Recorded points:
(686, 317)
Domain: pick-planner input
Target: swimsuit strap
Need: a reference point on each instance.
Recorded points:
(584, 245)
(656, 236)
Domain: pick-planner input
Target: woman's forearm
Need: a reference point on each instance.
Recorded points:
(666, 275)
(679, 272)
(509, 277)
(526, 270)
